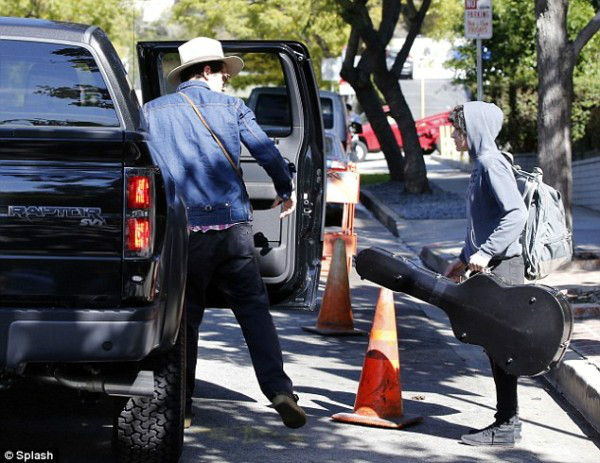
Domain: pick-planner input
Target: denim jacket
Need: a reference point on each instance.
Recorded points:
(210, 186)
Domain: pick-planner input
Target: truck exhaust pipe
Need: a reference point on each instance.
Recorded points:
(130, 384)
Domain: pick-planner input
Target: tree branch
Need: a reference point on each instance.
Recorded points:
(360, 74)
(366, 63)
(323, 45)
(356, 14)
(390, 13)
(352, 48)
(586, 34)
(409, 10)
(415, 27)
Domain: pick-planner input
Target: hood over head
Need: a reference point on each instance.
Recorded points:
(483, 121)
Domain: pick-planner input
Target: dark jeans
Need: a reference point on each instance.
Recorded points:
(226, 260)
(512, 272)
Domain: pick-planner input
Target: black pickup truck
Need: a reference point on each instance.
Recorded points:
(93, 236)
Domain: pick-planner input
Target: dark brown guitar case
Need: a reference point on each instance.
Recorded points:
(525, 328)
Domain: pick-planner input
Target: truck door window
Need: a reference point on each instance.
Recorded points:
(50, 84)
(261, 84)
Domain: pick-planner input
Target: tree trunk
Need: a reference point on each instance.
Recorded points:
(371, 104)
(357, 14)
(415, 172)
(369, 100)
(556, 57)
(387, 80)
(359, 78)
(513, 121)
(555, 64)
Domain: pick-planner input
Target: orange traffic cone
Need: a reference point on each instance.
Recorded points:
(335, 315)
(379, 398)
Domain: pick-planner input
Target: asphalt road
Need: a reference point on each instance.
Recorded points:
(446, 382)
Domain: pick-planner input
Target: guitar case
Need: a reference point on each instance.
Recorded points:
(526, 329)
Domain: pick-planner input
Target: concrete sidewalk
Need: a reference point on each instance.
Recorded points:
(439, 241)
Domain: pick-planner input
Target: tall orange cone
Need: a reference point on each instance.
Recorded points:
(379, 398)
(335, 315)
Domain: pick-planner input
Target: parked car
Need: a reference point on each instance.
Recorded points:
(335, 155)
(270, 106)
(337, 159)
(94, 235)
(407, 67)
(335, 117)
(428, 130)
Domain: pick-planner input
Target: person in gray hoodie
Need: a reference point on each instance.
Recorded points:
(496, 216)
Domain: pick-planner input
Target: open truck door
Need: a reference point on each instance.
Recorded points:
(288, 250)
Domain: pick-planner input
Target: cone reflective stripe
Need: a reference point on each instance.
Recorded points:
(335, 315)
(379, 397)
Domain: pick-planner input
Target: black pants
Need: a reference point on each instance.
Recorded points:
(226, 259)
(512, 272)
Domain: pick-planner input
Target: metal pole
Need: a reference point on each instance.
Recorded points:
(479, 72)
(422, 98)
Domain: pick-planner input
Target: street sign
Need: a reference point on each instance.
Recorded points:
(330, 68)
(478, 25)
(478, 19)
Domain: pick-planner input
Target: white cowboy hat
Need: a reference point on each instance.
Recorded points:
(203, 50)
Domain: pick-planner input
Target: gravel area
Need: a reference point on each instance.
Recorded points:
(439, 204)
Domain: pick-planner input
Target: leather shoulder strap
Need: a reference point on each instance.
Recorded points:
(214, 135)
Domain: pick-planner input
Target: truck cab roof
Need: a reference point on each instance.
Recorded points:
(45, 29)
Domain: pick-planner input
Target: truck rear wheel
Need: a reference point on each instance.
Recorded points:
(151, 430)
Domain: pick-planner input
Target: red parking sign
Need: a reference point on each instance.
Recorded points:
(478, 19)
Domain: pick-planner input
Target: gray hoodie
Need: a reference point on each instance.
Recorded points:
(496, 212)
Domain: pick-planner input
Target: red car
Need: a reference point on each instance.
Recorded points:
(428, 130)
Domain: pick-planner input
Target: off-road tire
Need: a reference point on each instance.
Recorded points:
(151, 430)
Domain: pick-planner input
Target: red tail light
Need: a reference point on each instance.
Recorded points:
(138, 235)
(138, 192)
(139, 212)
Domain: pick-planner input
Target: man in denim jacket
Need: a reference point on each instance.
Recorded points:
(221, 246)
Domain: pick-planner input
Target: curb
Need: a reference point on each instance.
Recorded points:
(432, 260)
(382, 212)
(575, 378)
(452, 163)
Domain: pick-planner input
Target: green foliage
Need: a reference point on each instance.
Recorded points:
(371, 179)
(519, 133)
(510, 76)
(586, 115)
(512, 47)
(313, 22)
(580, 12)
(586, 81)
(115, 17)
(110, 15)
(441, 19)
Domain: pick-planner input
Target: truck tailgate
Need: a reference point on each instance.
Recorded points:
(61, 233)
